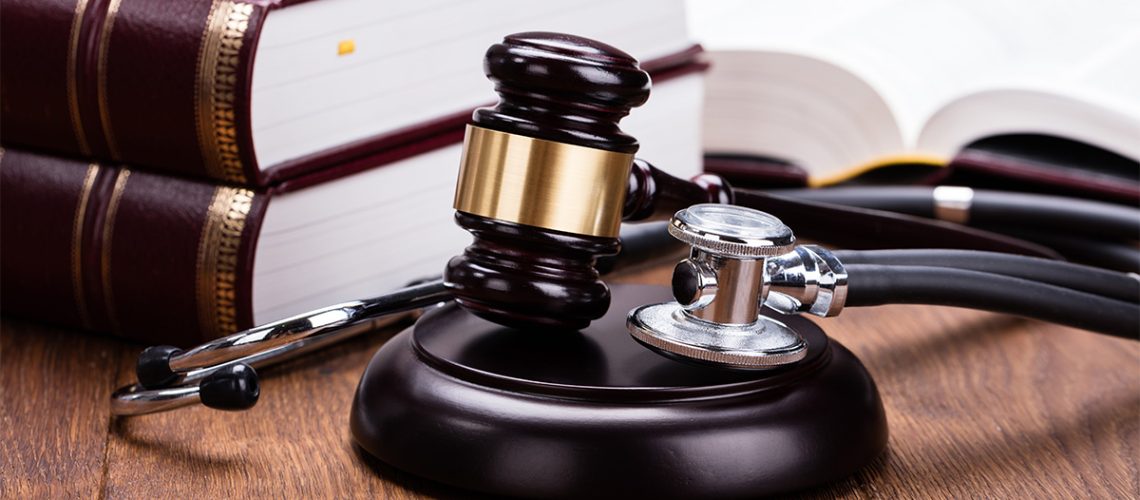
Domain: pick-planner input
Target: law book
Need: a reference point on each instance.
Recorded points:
(838, 89)
(165, 259)
(257, 92)
(1046, 165)
(1019, 162)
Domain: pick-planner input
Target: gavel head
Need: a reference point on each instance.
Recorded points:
(542, 180)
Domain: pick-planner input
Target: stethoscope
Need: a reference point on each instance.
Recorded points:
(221, 373)
(740, 261)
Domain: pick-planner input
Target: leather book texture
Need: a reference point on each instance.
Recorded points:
(756, 172)
(1041, 173)
(161, 85)
(190, 59)
(150, 257)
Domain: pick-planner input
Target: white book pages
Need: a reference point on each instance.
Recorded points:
(924, 59)
(412, 62)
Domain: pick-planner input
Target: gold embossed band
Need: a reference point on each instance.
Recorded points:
(108, 238)
(218, 257)
(218, 64)
(101, 78)
(542, 183)
(73, 53)
(77, 243)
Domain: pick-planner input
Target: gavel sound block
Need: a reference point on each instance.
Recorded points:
(518, 388)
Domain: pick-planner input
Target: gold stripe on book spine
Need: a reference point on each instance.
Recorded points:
(216, 82)
(73, 77)
(108, 233)
(101, 84)
(77, 244)
(218, 258)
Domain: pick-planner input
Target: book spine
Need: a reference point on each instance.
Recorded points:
(105, 248)
(146, 82)
(980, 168)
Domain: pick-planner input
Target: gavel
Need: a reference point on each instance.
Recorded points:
(547, 177)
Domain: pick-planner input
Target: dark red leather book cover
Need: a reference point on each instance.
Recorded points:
(105, 248)
(1050, 166)
(159, 84)
(756, 172)
(152, 257)
(162, 84)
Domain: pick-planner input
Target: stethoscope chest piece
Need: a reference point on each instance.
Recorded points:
(667, 328)
(719, 290)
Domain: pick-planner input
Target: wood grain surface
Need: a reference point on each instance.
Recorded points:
(979, 405)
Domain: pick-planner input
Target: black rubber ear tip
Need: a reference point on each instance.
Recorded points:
(232, 388)
(153, 368)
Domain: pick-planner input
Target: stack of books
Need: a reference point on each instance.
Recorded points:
(174, 172)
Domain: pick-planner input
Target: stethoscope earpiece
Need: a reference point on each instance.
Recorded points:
(220, 373)
(741, 259)
(231, 387)
(153, 367)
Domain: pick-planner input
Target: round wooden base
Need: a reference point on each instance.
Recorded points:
(466, 402)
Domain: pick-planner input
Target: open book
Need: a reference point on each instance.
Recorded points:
(839, 88)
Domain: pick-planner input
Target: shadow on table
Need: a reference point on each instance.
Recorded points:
(412, 483)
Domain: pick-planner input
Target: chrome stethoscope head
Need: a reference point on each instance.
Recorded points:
(741, 259)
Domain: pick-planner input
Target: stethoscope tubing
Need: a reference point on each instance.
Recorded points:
(988, 207)
(1088, 279)
(872, 285)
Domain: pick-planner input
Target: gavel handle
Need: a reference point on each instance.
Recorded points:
(654, 194)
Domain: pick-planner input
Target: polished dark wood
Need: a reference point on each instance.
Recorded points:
(653, 194)
(520, 275)
(515, 412)
(980, 405)
(560, 88)
(563, 88)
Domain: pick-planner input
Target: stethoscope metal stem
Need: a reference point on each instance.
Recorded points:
(285, 339)
(136, 400)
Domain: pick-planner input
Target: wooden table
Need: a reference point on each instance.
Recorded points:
(979, 405)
